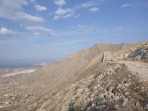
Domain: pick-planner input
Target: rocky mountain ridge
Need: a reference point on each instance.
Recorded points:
(114, 88)
(64, 70)
(101, 78)
(82, 63)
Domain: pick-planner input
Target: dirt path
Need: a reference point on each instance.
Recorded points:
(139, 68)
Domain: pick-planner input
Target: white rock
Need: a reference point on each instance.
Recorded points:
(125, 102)
(119, 85)
(117, 107)
(116, 98)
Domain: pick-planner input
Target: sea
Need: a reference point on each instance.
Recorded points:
(20, 63)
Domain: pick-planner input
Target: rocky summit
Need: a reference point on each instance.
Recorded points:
(104, 77)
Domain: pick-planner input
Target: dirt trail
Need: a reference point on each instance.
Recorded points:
(137, 67)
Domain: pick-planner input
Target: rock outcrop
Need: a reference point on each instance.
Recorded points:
(141, 53)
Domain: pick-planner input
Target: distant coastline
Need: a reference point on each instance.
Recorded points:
(16, 65)
(24, 63)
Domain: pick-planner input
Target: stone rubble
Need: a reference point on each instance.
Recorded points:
(113, 89)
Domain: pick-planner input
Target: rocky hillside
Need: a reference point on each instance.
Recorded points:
(57, 73)
(100, 78)
(85, 76)
(110, 86)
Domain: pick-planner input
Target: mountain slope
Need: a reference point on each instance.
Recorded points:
(98, 78)
(106, 86)
(54, 74)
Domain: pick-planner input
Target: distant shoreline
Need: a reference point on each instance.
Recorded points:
(20, 65)
(16, 66)
(24, 63)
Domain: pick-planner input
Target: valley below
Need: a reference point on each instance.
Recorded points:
(12, 86)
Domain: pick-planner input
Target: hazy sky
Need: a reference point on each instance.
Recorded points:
(50, 29)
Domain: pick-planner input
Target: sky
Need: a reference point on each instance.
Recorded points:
(41, 30)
